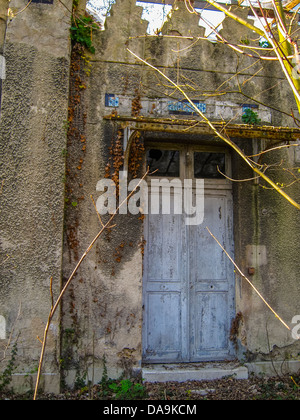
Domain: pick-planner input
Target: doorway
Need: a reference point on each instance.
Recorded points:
(188, 282)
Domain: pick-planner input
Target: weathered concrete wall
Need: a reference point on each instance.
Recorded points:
(33, 141)
(273, 252)
(103, 312)
(266, 239)
(56, 146)
(3, 21)
(3, 18)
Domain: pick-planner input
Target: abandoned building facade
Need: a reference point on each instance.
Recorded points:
(154, 288)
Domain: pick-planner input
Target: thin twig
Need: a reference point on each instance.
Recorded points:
(99, 217)
(1, 188)
(4, 261)
(11, 334)
(220, 40)
(227, 140)
(51, 292)
(273, 148)
(56, 304)
(251, 284)
(237, 180)
(279, 53)
(21, 11)
(298, 386)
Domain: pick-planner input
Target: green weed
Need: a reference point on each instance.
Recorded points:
(127, 390)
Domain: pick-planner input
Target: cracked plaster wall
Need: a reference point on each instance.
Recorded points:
(32, 139)
(102, 312)
(108, 299)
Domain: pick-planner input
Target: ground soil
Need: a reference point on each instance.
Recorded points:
(283, 388)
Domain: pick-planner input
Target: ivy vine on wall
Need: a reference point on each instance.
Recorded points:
(82, 27)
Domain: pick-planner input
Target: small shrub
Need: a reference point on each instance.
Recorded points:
(81, 31)
(250, 117)
(6, 376)
(127, 390)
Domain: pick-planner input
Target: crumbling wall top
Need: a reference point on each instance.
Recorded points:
(182, 22)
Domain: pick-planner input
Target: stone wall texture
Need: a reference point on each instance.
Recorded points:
(55, 145)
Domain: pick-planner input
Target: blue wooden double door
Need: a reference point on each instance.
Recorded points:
(188, 282)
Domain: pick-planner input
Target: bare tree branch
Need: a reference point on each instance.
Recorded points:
(249, 282)
(221, 136)
(56, 304)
